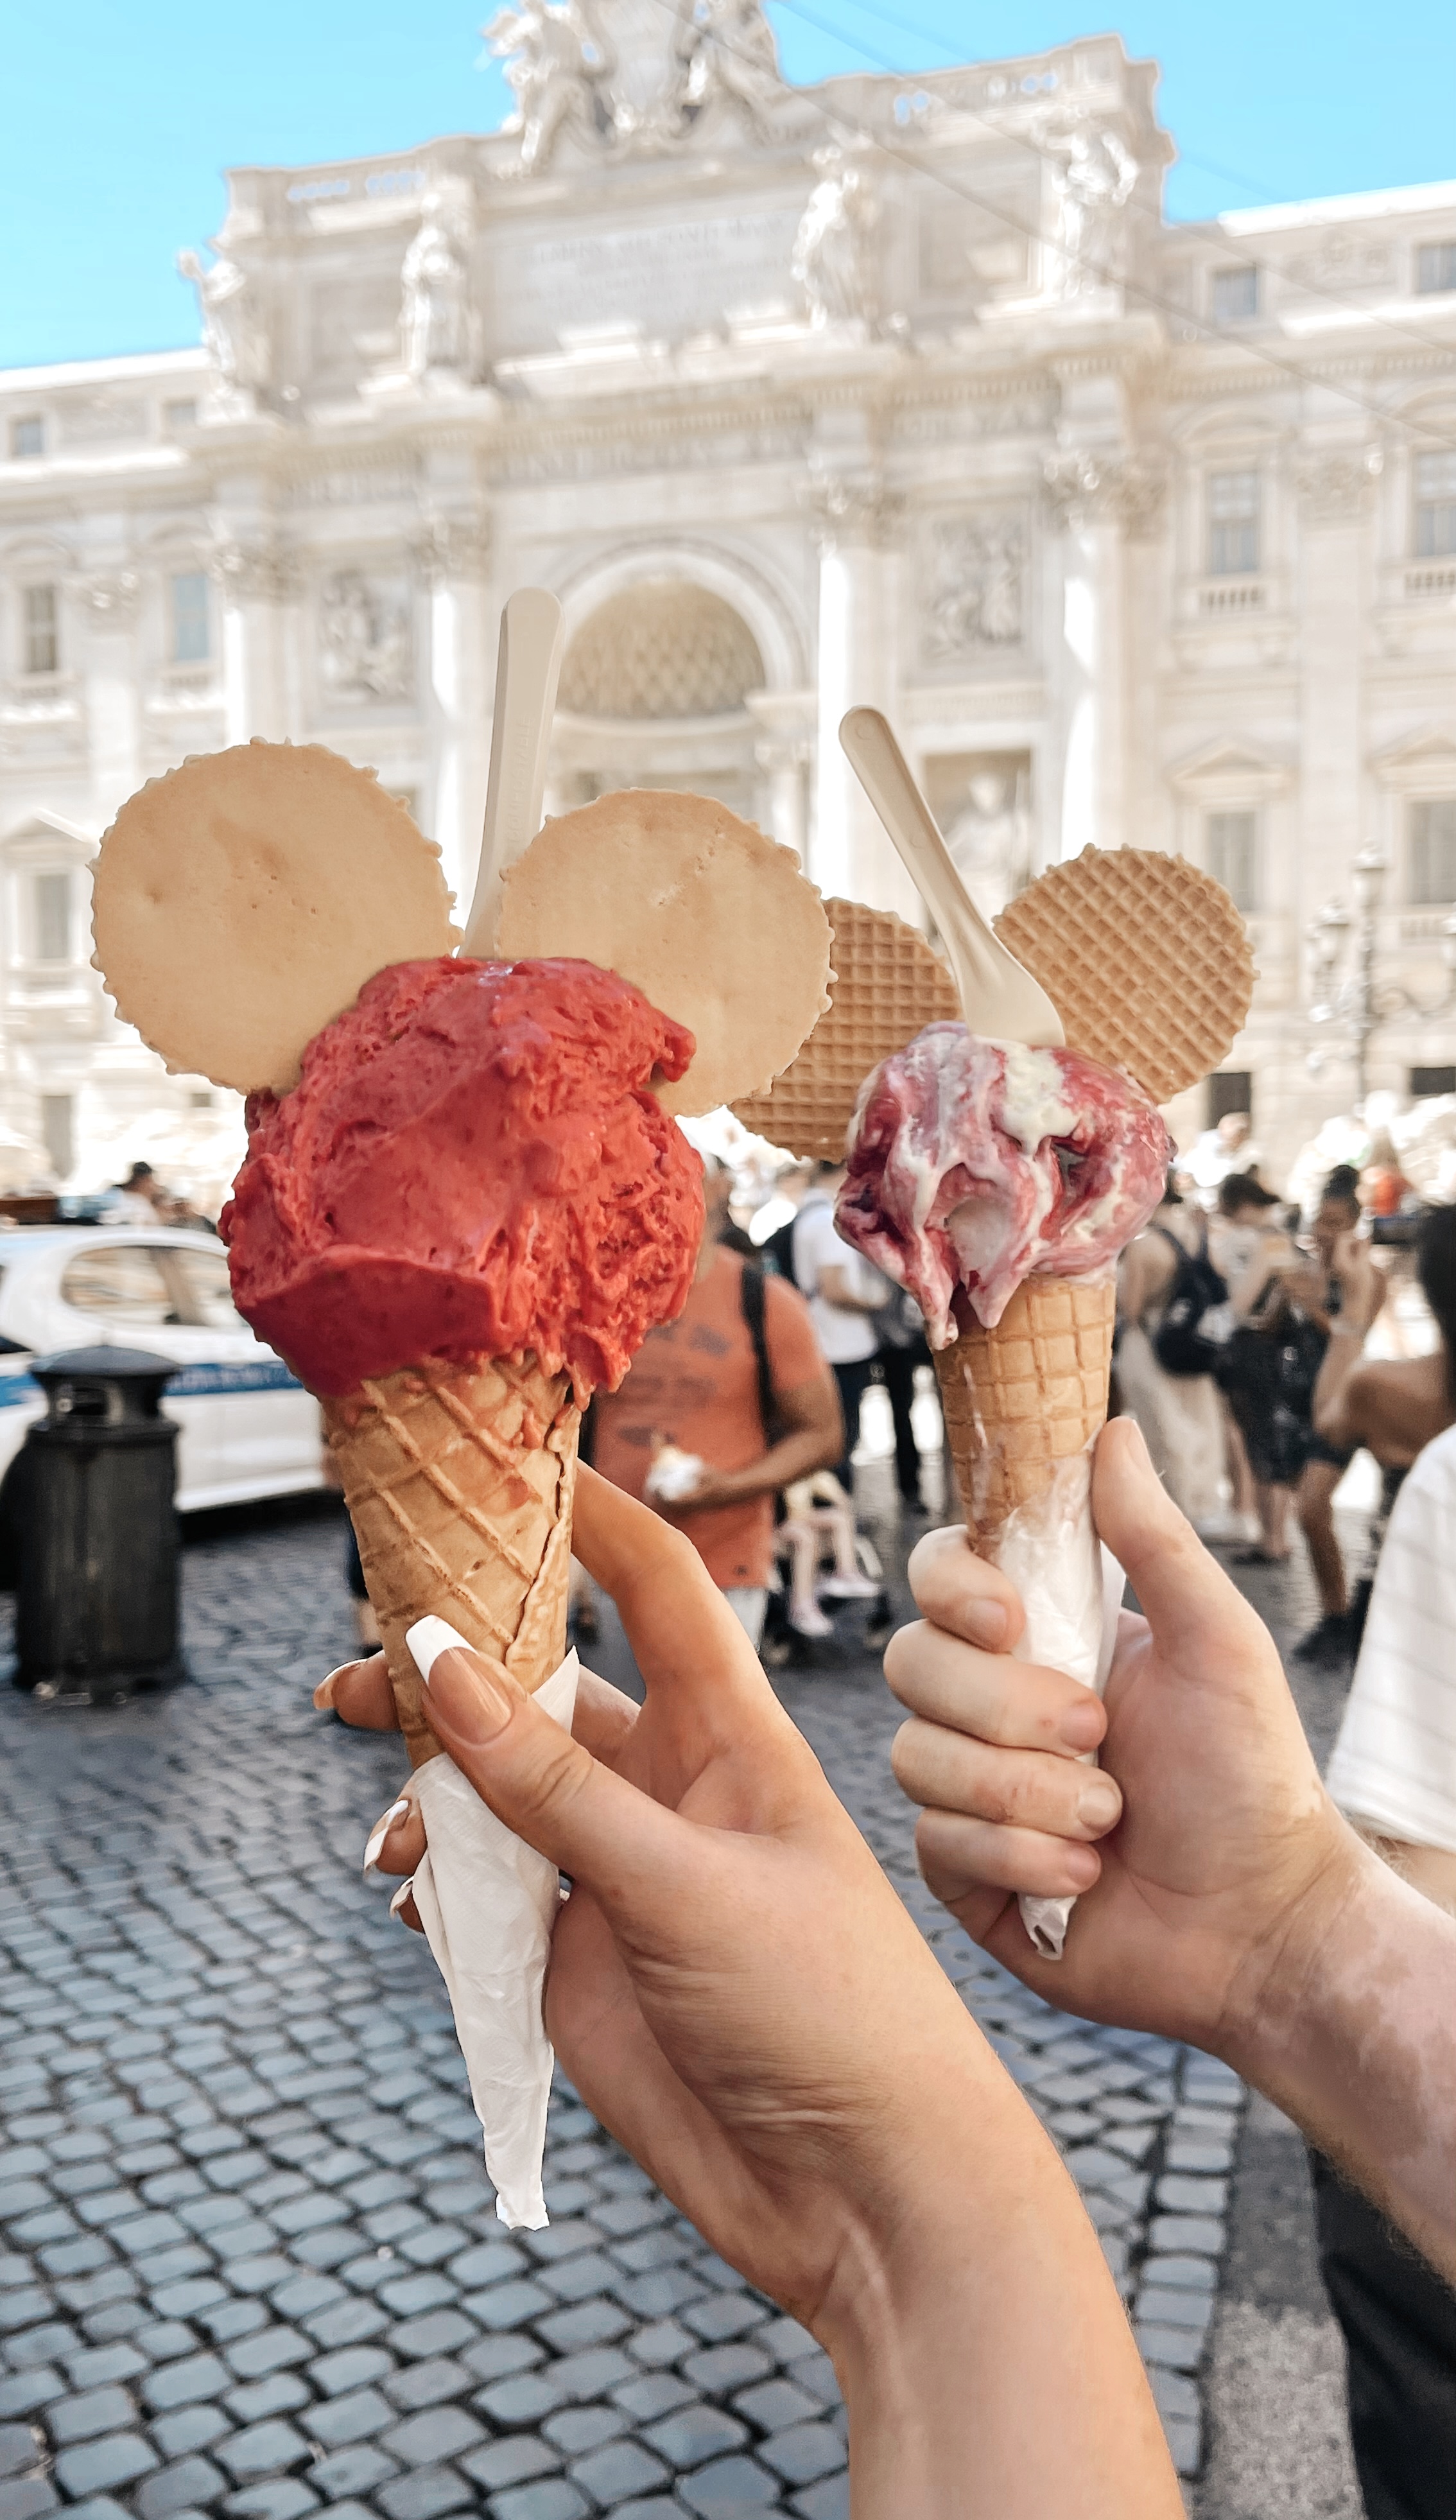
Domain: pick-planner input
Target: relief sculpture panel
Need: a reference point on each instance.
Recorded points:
(975, 598)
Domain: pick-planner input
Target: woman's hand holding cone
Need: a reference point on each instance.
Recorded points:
(1224, 1898)
(739, 1994)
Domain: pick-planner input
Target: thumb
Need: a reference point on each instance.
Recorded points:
(1182, 1591)
(620, 1844)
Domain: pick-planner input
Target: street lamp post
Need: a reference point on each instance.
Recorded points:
(1360, 1003)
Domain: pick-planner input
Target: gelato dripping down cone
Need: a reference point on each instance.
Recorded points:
(459, 1481)
(1028, 1397)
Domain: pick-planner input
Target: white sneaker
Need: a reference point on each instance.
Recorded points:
(848, 1588)
(810, 1623)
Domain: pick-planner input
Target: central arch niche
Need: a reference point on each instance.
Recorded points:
(655, 693)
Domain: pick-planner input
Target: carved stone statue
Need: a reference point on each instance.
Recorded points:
(727, 53)
(436, 315)
(235, 328)
(989, 838)
(975, 594)
(554, 67)
(364, 640)
(833, 258)
(1094, 172)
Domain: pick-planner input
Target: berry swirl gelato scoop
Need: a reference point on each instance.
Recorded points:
(974, 1166)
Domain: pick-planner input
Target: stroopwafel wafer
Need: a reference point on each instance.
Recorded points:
(1145, 958)
(887, 985)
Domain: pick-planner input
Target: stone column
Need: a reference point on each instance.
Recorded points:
(783, 748)
(258, 584)
(1333, 485)
(453, 556)
(113, 731)
(852, 854)
(1092, 495)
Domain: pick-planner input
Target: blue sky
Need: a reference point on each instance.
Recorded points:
(115, 122)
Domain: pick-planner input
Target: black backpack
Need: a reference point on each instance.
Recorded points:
(753, 1300)
(777, 1251)
(1196, 1321)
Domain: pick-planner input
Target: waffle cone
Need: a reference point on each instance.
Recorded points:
(459, 1481)
(887, 985)
(1027, 1396)
(1145, 959)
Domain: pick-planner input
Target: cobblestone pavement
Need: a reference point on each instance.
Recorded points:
(253, 2262)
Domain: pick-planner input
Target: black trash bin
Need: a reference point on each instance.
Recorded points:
(96, 1528)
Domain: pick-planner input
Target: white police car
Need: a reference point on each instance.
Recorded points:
(248, 1427)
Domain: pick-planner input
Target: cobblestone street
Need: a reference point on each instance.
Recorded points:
(253, 2264)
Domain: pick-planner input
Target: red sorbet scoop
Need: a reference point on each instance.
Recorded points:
(471, 1164)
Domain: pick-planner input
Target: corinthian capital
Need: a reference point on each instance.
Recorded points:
(1085, 485)
(254, 572)
(446, 547)
(1334, 483)
(110, 595)
(861, 509)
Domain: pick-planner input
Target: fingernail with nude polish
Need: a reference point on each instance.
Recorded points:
(458, 1689)
(403, 1898)
(375, 1847)
(985, 1624)
(1081, 1727)
(1098, 1805)
(323, 1693)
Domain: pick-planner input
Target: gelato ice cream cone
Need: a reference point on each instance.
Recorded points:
(1024, 1398)
(459, 1481)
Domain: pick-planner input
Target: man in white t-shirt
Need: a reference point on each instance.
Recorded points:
(844, 1291)
(1393, 1774)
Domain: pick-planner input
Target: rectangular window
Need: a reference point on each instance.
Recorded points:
(51, 918)
(41, 620)
(57, 1113)
(41, 626)
(191, 639)
(1436, 506)
(1433, 1080)
(1433, 850)
(1236, 294)
(27, 438)
(1232, 856)
(179, 415)
(1233, 525)
(1435, 269)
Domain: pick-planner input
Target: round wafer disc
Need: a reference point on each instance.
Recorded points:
(242, 902)
(887, 985)
(1145, 959)
(711, 920)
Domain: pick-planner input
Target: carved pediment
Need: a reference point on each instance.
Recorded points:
(1420, 764)
(1229, 768)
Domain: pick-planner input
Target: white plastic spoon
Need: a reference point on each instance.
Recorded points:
(528, 668)
(1000, 999)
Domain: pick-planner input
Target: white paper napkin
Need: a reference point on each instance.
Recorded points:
(488, 1902)
(1051, 1637)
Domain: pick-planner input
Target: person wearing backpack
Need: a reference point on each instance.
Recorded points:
(1170, 1302)
(723, 1408)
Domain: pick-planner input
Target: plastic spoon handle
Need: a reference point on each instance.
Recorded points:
(999, 997)
(528, 668)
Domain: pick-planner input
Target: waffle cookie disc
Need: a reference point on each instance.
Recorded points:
(711, 920)
(242, 902)
(888, 987)
(1145, 958)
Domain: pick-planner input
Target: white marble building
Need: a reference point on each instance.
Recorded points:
(889, 390)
